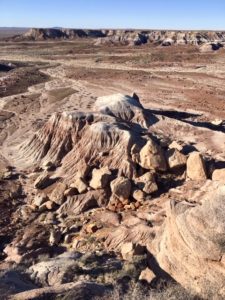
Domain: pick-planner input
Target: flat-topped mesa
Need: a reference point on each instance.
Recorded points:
(191, 245)
(40, 34)
(162, 37)
(127, 37)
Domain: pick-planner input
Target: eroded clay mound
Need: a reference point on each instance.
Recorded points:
(191, 244)
(110, 137)
(125, 108)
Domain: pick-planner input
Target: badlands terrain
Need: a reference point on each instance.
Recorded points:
(112, 166)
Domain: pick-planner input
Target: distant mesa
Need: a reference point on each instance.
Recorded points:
(213, 39)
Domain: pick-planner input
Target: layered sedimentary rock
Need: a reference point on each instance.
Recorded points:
(105, 138)
(191, 245)
(213, 39)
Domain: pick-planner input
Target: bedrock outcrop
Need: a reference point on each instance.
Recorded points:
(190, 245)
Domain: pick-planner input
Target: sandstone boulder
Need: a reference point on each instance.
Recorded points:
(138, 195)
(100, 178)
(152, 157)
(147, 183)
(57, 194)
(121, 187)
(219, 175)
(175, 159)
(39, 199)
(196, 169)
(80, 203)
(53, 271)
(42, 181)
(190, 245)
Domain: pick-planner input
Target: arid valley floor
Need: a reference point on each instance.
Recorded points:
(111, 197)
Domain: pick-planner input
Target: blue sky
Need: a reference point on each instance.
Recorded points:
(151, 14)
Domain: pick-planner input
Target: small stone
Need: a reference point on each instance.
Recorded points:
(129, 250)
(7, 175)
(40, 199)
(55, 237)
(147, 183)
(196, 169)
(91, 228)
(50, 218)
(42, 181)
(217, 122)
(100, 178)
(176, 145)
(70, 192)
(48, 165)
(138, 195)
(132, 206)
(48, 205)
(147, 275)
(80, 185)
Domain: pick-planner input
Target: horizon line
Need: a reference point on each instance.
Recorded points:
(107, 28)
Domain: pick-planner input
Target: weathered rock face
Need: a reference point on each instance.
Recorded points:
(196, 167)
(54, 271)
(25, 248)
(75, 205)
(152, 157)
(191, 245)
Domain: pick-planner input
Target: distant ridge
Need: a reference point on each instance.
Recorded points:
(127, 37)
(7, 32)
